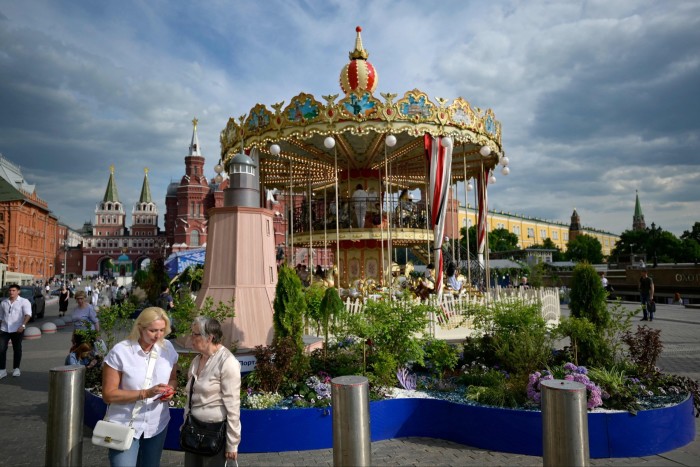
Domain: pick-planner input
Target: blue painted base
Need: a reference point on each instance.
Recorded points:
(516, 431)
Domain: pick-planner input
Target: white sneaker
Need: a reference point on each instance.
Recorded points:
(16, 372)
(3, 373)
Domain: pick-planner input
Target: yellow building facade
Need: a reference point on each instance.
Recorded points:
(532, 231)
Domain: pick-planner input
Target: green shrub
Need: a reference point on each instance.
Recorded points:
(588, 297)
(289, 307)
(440, 356)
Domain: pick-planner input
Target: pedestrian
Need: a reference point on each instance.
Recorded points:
(84, 315)
(15, 312)
(359, 199)
(82, 352)
(646, 293)
(88, 290)
(136, 397)
(95, 299)
(213, 389)
(165, 300)
(604, 281)
(677, 300)
(63, 297)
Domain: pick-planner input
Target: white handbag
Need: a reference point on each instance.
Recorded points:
(115, 435)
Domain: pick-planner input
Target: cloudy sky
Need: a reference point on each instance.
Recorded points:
(597, 98)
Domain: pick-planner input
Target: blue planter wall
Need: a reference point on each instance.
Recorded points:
(517, 431)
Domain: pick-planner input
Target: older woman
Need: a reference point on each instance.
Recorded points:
(84, 315)
(215, 380)
(126, 385)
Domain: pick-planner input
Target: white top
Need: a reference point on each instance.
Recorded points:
(604, 280)
(359, 197)
(131, 361)
(216, 394)
(13, 313)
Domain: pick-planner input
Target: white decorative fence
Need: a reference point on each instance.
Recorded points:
(452, 321)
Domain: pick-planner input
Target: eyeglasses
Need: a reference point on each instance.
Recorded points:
(196, 334)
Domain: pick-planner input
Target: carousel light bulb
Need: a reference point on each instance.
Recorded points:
(390, 140)
(219, 178)
(485, 151)
(505, 161)
(470, 187)
(329, 142)
(275, 149)
(218, 168)
(505, 170)
(447, 142)
(492, 178)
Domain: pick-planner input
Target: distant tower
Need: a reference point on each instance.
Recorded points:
(190, 223)
(110, 218)
(638, 218)
(240, 261)
(145, 213)
(575, 227)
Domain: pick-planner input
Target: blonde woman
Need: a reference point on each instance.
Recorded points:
(126, 382)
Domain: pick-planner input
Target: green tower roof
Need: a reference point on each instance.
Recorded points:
(145, 189)
(638, 207)
(111, 191)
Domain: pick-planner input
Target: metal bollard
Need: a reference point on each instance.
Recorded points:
(564, 423)
(351, 434)
(64, 430)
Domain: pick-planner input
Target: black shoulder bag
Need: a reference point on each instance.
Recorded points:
(203, 438)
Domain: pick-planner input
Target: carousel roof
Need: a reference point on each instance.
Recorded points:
(359, 123)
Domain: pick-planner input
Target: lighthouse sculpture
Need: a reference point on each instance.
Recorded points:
(240, 260)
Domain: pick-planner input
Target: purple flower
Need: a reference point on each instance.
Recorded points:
(570, 366)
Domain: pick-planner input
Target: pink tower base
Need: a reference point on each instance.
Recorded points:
(240, 264)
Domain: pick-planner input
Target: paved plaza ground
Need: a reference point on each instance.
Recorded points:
(24, 407)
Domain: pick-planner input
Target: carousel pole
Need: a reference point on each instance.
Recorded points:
(428, 215)
(337, 222)
(382, 198)
(325, 227)
(466, 210)
(454, 199)
(387, 185)
(291, 217)
(311, 233)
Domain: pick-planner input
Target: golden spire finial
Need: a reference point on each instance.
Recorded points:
(111, 169)
(359, 52)
(194, 122)
(145, 170)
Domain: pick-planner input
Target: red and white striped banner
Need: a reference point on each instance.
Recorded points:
(439, 158)
(482, 183)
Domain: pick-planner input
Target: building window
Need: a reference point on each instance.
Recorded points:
(516, 230)
(565, 236)
(500, 225)
(555, 235)
(543, 233)
(530, 232)
(194, 238)
(268, 227)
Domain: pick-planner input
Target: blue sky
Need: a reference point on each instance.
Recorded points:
(597, 98)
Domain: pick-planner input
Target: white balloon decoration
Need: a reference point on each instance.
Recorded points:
(485, 151)
(275, 149)
(505, 170)
(505, 161)
(390, 140)
(329, 142)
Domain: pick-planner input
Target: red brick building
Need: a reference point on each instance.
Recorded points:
(27, 226)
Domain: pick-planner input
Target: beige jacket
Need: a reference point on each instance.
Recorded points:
(217, 393)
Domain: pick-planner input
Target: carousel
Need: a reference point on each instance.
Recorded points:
(349, 164)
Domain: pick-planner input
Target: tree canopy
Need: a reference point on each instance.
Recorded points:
(585, 248)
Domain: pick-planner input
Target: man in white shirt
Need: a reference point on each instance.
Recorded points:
(359, 199)
(15, 313)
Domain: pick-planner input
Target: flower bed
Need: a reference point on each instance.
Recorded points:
(611, 434)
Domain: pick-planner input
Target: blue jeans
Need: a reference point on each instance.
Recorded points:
(645, 304)
(144, 452)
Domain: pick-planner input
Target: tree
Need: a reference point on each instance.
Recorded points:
(585, 248)
(502, 240)
(499, 240)
(693, 233)
(289, 307)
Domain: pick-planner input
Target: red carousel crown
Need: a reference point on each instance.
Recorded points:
(359, 75)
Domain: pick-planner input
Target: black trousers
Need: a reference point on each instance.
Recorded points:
(5, 338)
